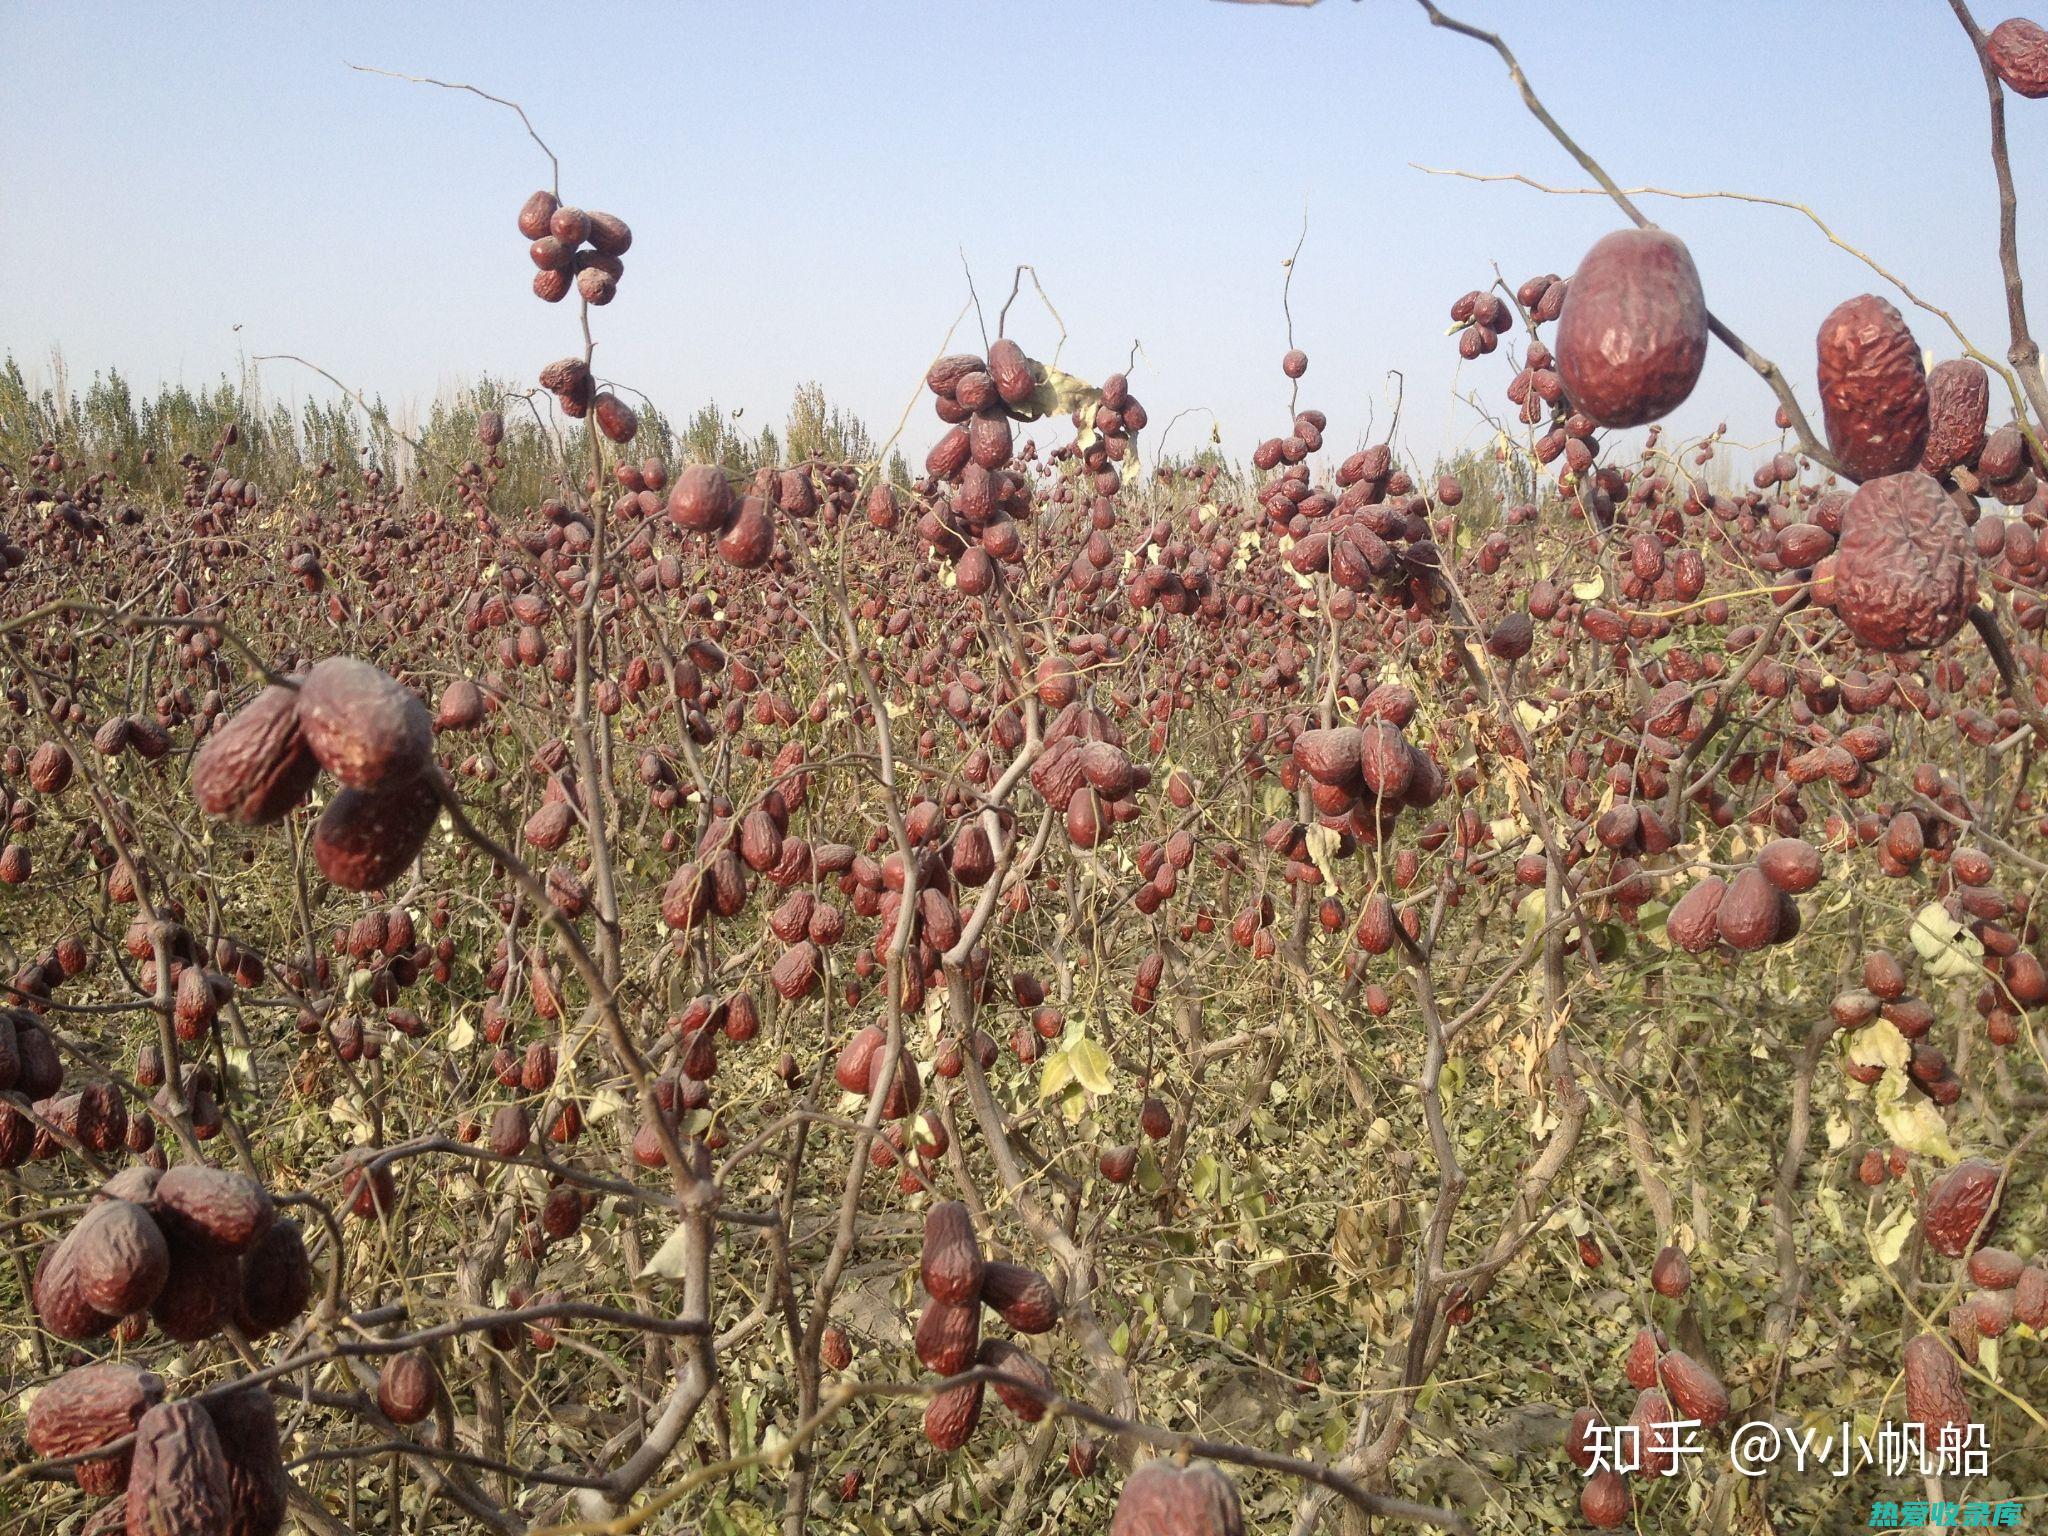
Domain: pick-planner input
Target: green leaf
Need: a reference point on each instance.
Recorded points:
(1838, 1130)
(1091, 1065)
(1323, 843)
(1879, 1044)
(1914, 1124)
(1058, 1072)
(1150, 1179)
(1450, 1081)
(668, 1258)
(1058, 394)
(1890, 1241)
(241, 1068)
(1830, 1204)
(1951, 951)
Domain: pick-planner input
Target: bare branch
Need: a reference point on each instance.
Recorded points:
(1764, 368)
(2024, 352)
(452, 85)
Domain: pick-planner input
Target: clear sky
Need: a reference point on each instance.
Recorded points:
(802, 177)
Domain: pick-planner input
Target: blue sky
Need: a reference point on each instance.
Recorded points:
(801, 179)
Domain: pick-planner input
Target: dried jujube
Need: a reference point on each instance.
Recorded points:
(245, 1421)
(276, 1280)
(406, 1386)
(1905, 568)
(218, 1206)
(1021, 1296)
(948, 1333)
(365, 838)
(88, 1407)
(1012, 1360)
(257, 767)
(1958, 402)
(120, 1257)
(2018, 50)
(179, 1485)
(1164, 1499)
(951, 1264)
(1873, 389)
(1633, 335)
(1935, 1398)
(365, 729)
(950, 1417)
(1958, 1207)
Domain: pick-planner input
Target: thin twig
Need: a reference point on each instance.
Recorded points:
(2024, 352)
(1287, 308)
(1016, 284)
(1970, 348)
(452, 85)
(979, 318)
(1763, 367)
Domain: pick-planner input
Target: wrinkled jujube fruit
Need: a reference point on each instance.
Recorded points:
(179, 1483)
(1605, 1500)
(1022, 1297)
(535, 213)
(90, 1406)
(365, 729)
(217, 1206)
(257, 767)
(246, 1423)
(1633, 335)
(1749, 914)
(1697, 1392)
(120, 1257)
(1012, 1360)
(365, 838)
(1905, 569)
(1934, 1386)
(201, 1292)
(405, 1387)
(60, 1305)
(1873, 389)
(1955, 1205)
(1161, 1498)
(1671, 1274)
(1579, 1437)
(2018, 50)
(950, 1417)
(948, 1333)
(1958, 401)
(276, 1281)
(951, 1266)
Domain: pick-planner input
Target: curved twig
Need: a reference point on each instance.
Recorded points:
(452, 85)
